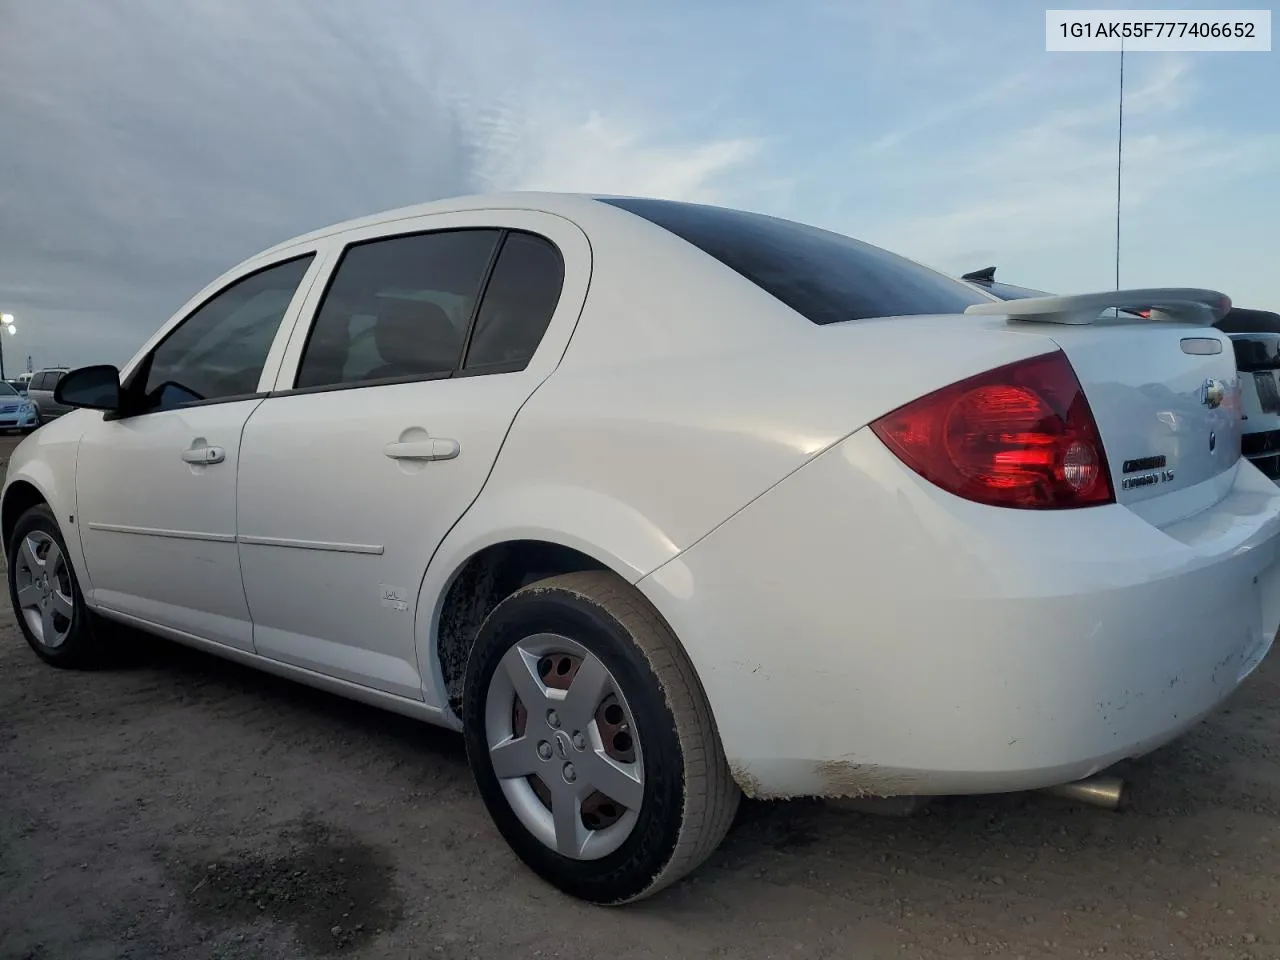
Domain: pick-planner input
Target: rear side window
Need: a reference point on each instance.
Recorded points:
(519, 300)
(397, 309)
(37, 383)
(824, 276)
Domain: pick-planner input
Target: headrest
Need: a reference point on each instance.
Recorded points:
(414, 334)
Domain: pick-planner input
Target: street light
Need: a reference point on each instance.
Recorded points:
(6, 326)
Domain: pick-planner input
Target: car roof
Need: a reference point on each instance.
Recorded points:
(563, 204)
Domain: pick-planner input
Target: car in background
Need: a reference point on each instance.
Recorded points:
(1255, 335)
(19, 385)
(40, 390)
(16, 411)
(1255, 338)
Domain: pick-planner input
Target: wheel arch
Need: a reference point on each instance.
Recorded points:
(477, 583)
(19, 496)
(45, 474)
(547, 528)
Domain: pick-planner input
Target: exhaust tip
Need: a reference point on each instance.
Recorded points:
(1109, 793)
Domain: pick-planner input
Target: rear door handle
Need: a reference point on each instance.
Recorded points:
(204, 455)
(433, 448)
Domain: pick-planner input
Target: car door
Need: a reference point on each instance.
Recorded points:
(382, 433)
(49, 387)
(42, 398)
(156, 486)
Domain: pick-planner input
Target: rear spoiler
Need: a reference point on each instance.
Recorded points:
(1186, 304)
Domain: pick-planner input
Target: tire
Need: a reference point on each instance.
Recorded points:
(651, 709)
(76, 641)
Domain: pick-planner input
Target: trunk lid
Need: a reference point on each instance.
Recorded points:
(1162, 384)
(1152, 386)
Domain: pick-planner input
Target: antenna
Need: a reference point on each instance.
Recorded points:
(1119, 157)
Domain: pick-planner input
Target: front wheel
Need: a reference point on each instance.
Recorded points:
(46, 596)
(592, 742)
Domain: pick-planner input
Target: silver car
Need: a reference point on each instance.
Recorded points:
(40, 391)
(16, 411)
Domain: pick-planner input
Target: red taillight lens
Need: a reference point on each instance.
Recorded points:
(1021, 435)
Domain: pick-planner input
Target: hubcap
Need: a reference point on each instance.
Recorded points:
(43, 583)
(564, 747)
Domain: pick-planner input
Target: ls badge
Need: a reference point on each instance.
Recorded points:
(394, 598)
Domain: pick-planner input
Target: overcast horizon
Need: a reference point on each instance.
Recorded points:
(148, 146)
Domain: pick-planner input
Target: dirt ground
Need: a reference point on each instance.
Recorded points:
(183, 807)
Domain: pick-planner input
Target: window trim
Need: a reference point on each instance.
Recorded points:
(459, 369)
(142, 369)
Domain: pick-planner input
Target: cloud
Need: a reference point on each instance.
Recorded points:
(537, 149)
(151, 145)
(1041, 175)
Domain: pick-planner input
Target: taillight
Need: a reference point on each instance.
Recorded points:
(1021, 435)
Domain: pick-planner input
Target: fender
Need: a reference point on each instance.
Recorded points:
(46, 460)
(605, 529)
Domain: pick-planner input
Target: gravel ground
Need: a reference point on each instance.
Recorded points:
(182, 807)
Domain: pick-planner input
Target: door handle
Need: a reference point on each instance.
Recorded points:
(204, 455)
(433, 448)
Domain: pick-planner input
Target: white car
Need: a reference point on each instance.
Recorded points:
(661, 503)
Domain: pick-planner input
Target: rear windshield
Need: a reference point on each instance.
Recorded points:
(824, 276)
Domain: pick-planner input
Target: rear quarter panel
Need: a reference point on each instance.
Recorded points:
(687, 391)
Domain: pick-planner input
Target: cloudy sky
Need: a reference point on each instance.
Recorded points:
(147, 145)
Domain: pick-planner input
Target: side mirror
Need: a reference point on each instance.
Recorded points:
(93, 388)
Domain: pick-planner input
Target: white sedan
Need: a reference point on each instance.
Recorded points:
(660, 504)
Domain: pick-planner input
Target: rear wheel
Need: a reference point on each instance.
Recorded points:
(591, 740)
(46, 596)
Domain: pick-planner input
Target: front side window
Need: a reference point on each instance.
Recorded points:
(824, 276)
(220, 350)
(397, 309)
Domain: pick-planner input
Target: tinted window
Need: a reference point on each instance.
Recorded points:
(518, 303)
(220, 349)
(6, 389)
(822, 275)
(37, 383)
(398, 308)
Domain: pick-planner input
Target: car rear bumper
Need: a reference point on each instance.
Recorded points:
(858, 631)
